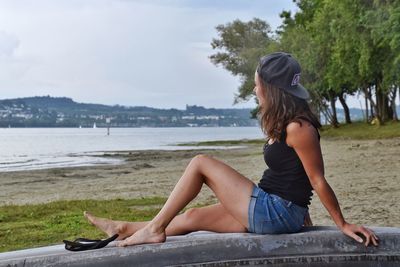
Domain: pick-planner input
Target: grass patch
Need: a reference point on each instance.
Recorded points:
(361, 130)
(29, 226)
(356, 130)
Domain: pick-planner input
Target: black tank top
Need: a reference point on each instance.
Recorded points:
(285, 176)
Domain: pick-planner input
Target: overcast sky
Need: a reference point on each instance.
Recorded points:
(127, 52)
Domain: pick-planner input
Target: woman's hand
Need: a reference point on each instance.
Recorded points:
(352, 230)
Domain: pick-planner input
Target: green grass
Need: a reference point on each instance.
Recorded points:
(29, 226)
(361, 130)
(226, 142)
(356, 130)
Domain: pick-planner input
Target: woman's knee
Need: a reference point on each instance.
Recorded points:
(200, 159)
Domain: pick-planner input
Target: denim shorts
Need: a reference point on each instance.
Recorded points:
(271, 214)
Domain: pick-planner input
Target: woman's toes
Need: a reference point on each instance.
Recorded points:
(89, 217)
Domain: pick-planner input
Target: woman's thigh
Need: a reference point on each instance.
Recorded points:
(213, 218)
(232, 189)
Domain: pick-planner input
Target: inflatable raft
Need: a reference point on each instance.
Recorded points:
(314, 246)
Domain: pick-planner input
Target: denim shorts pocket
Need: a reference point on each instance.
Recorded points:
(272, 219)
(271, 209)
(297, 215)
(284, 202)
(291, 215)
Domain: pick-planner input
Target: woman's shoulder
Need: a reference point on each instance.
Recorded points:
(298, 125)
(300, 131)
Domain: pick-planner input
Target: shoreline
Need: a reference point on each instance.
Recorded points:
(94, 158)
(363, 173)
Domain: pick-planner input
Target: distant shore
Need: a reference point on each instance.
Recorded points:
(363, 173)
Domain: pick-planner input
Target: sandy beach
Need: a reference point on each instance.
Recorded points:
(365, 175)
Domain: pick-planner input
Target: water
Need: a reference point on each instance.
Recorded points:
(39, 148)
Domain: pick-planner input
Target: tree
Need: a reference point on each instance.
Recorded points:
(379, 65)
(388, 33)
(240, 45)
(344, 47)
(301, 36)
(342, 71)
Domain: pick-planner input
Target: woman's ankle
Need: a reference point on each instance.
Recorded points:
(156, 227)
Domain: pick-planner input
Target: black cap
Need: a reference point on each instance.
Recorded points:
(283, 71)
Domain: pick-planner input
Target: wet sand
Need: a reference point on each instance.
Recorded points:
(365, 175)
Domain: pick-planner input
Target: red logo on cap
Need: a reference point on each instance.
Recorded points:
(296, 79)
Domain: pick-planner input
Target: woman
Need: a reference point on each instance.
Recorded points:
(279, 203)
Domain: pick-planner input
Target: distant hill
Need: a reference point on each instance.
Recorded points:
(47, 111)
(356, 114)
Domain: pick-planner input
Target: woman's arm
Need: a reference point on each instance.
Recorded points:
(304, 140)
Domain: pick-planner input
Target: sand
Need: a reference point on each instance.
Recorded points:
(365, 176)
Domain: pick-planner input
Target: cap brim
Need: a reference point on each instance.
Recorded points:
(303, 93)
(299, 91)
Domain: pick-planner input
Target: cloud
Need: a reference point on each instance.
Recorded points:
(8, 44)
(140, 52)
(12, 66)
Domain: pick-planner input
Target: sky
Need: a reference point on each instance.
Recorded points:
(127, 52)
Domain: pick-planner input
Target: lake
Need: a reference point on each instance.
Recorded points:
(39, 148)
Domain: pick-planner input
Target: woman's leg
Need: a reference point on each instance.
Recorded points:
(213, 218)
(210, 218)
(232, 189)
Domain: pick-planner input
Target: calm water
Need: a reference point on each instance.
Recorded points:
(38, 148)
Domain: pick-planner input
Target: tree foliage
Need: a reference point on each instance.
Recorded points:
(240, 46)
(345, 47)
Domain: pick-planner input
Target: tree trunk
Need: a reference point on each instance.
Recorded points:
(382, 100)
(374, 106)
(332, 99)
(325, 117)
(327, 114)
(386, 110)
(380, 104)
(389, 108)
(366, 109)
(345, 108)
(393, 103)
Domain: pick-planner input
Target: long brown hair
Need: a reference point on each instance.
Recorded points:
(280, 109)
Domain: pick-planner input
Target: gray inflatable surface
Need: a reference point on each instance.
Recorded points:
(314, 246)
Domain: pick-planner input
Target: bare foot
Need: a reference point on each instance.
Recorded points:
(146, 235)
(109, 227)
